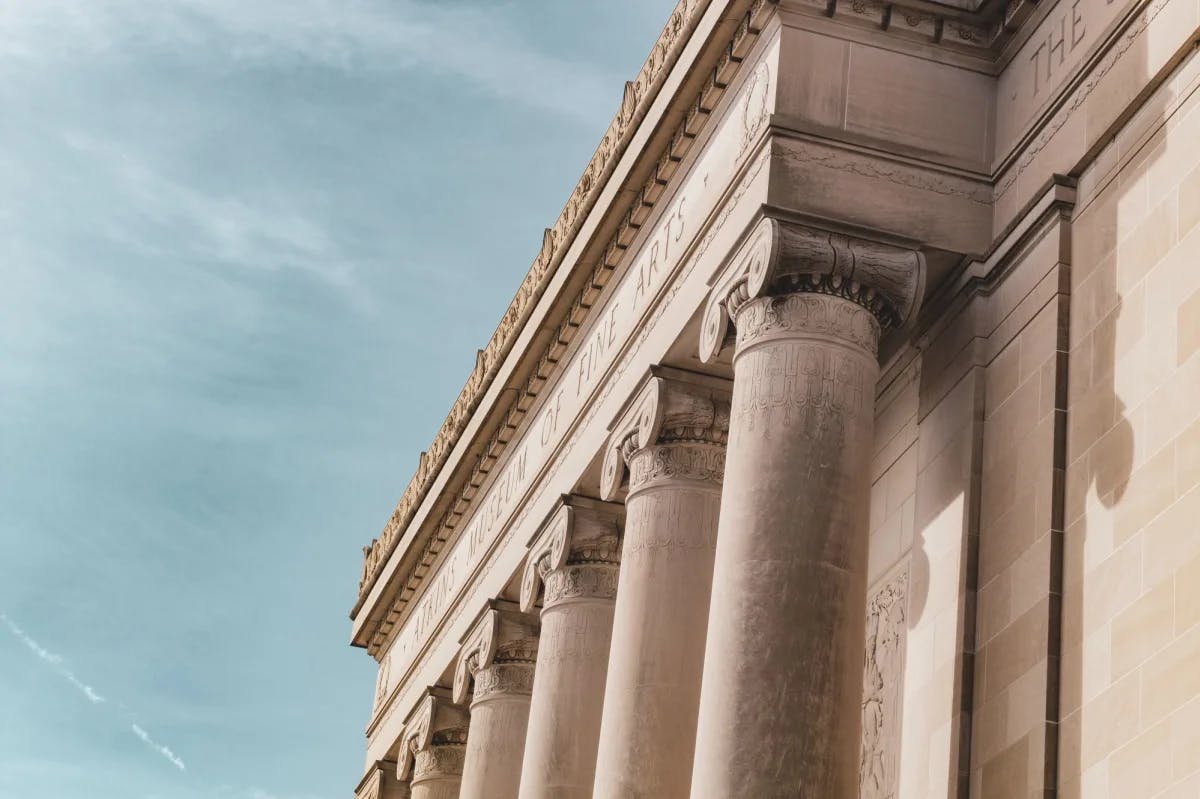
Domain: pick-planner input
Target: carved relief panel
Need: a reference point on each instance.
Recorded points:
(883, 677)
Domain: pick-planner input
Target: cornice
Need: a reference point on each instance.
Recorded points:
(984, 34)
(980, 275)
(556, 239)
(639, 212)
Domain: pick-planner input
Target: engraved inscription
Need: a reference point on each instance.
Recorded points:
(639, 287)
(1041, 68)
(1062, 36)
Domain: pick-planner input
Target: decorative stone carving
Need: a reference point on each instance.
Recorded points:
(671, 408)
(672, 436)
(641, 92)
(576, 557)
(576, 554)
(381, 782)
(976, 34)
(498, 654)
(883, 674)
(495, 670)
(434, 740)
(780, 258)
(382, 679)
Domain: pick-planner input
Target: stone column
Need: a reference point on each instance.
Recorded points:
(382, 782)
(576, 558)
(433, 745)
(495, 668)
(672, 436)
(780, 711)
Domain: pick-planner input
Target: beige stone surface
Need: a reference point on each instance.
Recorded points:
(573, 567)
(495, 670)
(1130, 635)
(672, 440)
(969, 570)
(433, 746)
(382, 782)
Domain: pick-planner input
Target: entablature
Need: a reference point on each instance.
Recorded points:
(660, 131)
(665, 112)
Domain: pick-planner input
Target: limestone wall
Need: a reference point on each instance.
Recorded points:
(1131, 624)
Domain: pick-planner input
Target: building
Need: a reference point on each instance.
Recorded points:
(841, 440)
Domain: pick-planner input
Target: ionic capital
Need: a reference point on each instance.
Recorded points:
(671, 407)
(576, 553)
(498, 654)
(779, 258)
(381, 782)
(433, 743)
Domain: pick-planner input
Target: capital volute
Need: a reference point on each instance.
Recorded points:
(782, 257)
(670, 406)
(578, 531)
(436, 720)
(381, 782)
(502, 634)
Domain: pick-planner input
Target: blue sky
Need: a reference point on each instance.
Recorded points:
(247, 252)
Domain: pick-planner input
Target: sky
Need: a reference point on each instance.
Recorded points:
(247, 253)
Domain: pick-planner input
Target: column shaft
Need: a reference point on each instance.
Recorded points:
(496, 747)
(572, 658)
(438, 772)
(780, 705)
(496, 666)
(568, 696)
(673, 441)
(657, 655)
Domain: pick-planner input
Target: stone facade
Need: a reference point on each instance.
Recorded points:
(842, 440)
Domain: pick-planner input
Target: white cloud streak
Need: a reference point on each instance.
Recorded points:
(55, 661)
(474, 42)
(224, 228)
(165, 751)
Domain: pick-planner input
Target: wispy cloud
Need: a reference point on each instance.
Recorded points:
(165, 751)
(475, 42)
(225, 228)
(55, 661)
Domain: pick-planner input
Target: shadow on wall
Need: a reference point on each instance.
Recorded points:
(1121, 354)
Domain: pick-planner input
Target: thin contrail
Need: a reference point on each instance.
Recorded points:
(57, 663)
(157, 747)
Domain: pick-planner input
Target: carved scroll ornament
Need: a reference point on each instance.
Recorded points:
(575, 535)
(500, 648)
(670, 407)
(434, 738)
(780, 257)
